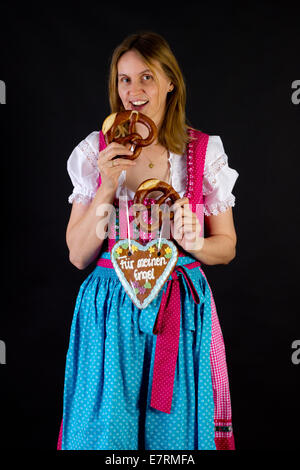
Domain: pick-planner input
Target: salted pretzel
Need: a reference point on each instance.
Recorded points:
(145, 188)
(114, 131)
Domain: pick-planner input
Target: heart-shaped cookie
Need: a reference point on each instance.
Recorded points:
(143, 270)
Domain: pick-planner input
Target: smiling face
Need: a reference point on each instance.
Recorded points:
(139, 89)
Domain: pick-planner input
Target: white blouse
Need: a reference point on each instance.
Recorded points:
(218, 177)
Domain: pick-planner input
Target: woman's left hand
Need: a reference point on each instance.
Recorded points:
(186, 227)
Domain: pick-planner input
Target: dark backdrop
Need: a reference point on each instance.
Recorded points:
(239, 63)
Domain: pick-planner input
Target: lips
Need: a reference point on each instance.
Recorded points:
(138, 105)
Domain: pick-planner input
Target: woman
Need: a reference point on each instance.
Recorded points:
(112, 394)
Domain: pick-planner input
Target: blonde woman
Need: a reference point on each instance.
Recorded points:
(131, 384)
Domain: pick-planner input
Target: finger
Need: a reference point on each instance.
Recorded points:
(189, 228)
(184, 217)
(181, 206)
(181, 202)
(115, 156)
(117, 169)
(183, 228)
(185, 200)
(188, 225)
(177, 231)
(184, 214)
(123, 163)
(114, 149)
(115, 146)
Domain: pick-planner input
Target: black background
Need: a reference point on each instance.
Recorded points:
(239, 61)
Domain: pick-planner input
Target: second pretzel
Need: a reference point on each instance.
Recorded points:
(147, 187)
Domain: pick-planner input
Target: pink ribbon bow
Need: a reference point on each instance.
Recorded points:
(167, 329)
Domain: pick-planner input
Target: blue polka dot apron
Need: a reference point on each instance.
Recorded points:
(109, 370)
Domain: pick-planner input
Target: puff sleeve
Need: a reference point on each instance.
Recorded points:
(218, 179)
(83, 169)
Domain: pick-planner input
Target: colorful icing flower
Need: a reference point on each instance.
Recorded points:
(151, 249)
(142, 290)
(119, 250)
(134, 248)
(168, 250)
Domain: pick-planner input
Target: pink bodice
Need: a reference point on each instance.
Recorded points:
(196, 151)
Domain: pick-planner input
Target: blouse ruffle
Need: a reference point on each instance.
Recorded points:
(218, 178)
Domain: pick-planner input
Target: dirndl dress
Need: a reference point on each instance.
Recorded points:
(153, 378)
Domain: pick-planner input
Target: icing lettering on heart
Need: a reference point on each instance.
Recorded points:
(144, 270)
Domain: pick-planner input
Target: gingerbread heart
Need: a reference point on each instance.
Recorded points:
(143, 270)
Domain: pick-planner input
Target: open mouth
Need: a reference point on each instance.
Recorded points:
(138, 105)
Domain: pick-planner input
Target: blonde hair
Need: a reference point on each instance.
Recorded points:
(151, 46)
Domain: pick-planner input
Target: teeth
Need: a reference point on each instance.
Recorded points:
(138, 103)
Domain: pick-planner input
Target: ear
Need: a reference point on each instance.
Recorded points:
(171, 87)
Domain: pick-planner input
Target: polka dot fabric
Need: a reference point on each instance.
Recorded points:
(109, 370)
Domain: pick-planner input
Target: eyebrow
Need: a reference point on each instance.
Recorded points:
(140, 73)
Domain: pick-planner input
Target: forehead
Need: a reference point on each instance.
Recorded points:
(131, 62)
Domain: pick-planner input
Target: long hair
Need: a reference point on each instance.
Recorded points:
(151, 46)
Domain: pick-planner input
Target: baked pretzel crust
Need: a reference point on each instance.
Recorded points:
(147, 187)
(112, 125)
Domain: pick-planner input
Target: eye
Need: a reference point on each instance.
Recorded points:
(147, 77)
(124, 80)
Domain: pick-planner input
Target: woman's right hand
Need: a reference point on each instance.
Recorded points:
(110, 169)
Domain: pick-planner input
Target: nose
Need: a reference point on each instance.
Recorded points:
(135, 88)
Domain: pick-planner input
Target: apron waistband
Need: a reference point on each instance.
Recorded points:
(105, 261)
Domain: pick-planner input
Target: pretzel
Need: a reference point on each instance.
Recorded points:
(145, 188)
(114, 125)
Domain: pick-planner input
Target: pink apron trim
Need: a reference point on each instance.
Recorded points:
(220, 382)
(225, 443)
(104, 263)
(221, 392)
(59, 442)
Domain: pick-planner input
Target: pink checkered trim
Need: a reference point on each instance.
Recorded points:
(220, 383)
